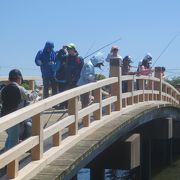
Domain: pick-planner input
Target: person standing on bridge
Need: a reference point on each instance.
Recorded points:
(13, 97)
(46, 59)
(114, 54)
(126, 70)
(144, 68)
(74, 66)
(88, 75)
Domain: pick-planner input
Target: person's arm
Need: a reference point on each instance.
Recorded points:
(108, 57)
(38, 59)
(26, 95)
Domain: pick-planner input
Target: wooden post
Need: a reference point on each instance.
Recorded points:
(73, 110)
(86, 121)
(158, 74)
(130, 100)
(116, 88)
(151, 87)
(37, 130)
(108, 109)
(98, 99)
(12, 169)
(57, 139)
(141, 87)
(31, 84)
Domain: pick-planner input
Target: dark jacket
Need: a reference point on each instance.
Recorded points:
(73, 69)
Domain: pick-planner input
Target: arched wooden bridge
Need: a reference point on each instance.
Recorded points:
(89, 131)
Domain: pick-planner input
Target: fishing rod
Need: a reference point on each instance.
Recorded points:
(166, 47)
(102, 48)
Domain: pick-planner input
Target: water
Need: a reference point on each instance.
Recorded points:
(84, 174)
(169, 173)
(162, 173)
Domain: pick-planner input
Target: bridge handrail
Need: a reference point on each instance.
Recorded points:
(38, 107)
(31, 80)
(170, 86)
(5, 78)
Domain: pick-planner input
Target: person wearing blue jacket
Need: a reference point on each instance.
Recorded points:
(88, 75)
(46, 59)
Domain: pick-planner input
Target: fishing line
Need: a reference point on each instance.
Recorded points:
(166, 47)
(102, 48)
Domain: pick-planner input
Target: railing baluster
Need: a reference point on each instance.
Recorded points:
(37, 129)
(73, 110)
(57, 139)
(12, 169)
(98, 99)
(86, 121)
(130, 100)
(141, 87)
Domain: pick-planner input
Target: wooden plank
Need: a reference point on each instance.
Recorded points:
(58, 126)
(88, 110)
(109, 100)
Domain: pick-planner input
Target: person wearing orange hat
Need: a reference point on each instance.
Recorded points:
(113, 54)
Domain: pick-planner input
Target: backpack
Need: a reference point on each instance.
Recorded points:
(11, 98)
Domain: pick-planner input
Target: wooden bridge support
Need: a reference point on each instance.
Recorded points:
(156, 144)
(176, 137)
(121, 155)
(146, 159)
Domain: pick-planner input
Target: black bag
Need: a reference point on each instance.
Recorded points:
(11, 98)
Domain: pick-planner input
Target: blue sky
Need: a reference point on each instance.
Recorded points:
(143, 26)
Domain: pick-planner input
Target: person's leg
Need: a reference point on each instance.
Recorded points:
(85, 100)
(27, 128)
(13, 137)
(53, 86)
(46, 87)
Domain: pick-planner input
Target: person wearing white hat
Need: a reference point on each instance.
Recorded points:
(88, 74)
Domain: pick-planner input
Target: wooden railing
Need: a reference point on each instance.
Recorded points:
(150, 89)
(31, 80)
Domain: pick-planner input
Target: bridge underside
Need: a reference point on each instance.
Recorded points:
(131, 120)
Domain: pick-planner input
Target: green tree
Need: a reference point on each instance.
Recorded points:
(174, 81)
(100, 77)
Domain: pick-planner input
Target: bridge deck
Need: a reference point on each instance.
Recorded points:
(86, 149)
